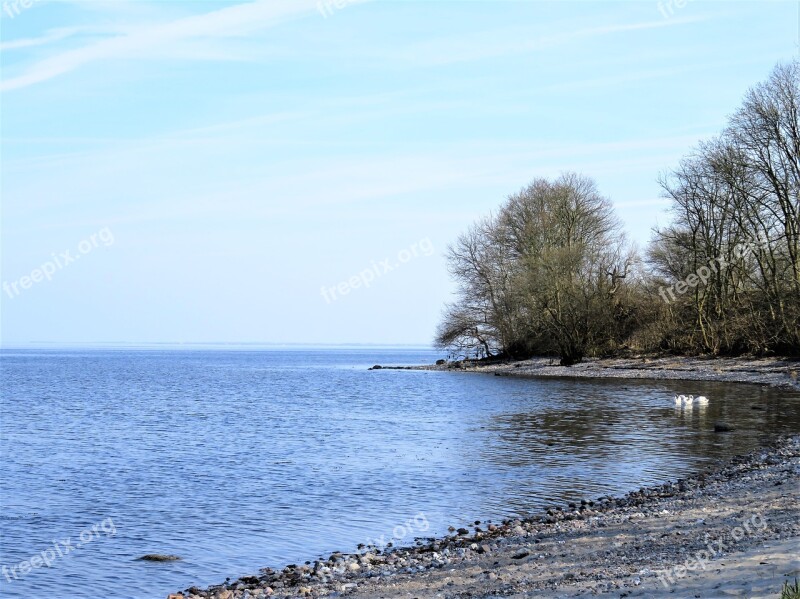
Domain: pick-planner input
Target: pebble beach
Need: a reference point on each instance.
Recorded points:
(779, 373)
(730, 531)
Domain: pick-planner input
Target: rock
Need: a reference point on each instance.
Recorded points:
(462, 531)
(377, 367)
(441, 362)
(520, 554)
(721, 427)
(158, 557)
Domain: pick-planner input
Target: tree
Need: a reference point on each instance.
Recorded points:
(550, 272)
(736, 218)
(541, 276)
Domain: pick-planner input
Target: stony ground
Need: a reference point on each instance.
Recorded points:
(733, 532)
(775, 372)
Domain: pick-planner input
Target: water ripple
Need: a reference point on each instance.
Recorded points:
(236, 460)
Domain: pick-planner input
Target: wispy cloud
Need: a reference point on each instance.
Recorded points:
(54, 35)
(169, 39)
(511, 41)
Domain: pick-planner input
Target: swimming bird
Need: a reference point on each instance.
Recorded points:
(702, 400)
(679, 399)
(687, 401)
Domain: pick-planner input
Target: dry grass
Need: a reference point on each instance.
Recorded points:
(791, 591)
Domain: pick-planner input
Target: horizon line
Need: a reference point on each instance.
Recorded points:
(204, 344)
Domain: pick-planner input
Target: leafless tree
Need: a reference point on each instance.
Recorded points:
(540, 276)
(736, 204)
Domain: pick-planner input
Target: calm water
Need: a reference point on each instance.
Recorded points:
(237, 460)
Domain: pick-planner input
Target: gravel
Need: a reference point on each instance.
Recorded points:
(732, 531)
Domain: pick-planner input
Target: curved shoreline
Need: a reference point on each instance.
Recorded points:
(733, 531)
(643, 544)
(782, 373)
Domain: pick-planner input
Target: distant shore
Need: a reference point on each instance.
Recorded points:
(774, 372)
(731, 531)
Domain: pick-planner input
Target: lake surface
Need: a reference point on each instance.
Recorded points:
(241, 459)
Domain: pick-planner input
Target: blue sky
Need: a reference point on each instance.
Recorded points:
(232, 159)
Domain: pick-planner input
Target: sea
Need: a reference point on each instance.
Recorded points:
(239, 458)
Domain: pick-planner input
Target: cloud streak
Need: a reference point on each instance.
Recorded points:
(496, 44)
(166, 39)
(54, 35)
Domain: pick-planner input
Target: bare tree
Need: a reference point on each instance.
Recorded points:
(542, 276)
(552, 273)
(736, 207)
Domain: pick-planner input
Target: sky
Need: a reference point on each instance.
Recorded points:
(287, 171)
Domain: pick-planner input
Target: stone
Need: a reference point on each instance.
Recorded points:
(158, 557)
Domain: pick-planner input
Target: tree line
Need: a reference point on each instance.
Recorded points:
(551, 272)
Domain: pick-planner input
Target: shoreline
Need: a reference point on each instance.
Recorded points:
(730, 531)
(781, 373)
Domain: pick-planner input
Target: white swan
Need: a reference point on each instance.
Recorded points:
(702, 400)
(679, 399)
(687, 401)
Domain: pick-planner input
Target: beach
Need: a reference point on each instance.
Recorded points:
(732, 532)
(729, 531)
(772, 372)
